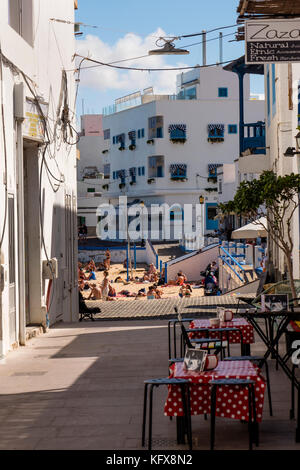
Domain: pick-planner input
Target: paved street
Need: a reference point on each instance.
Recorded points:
(80, 386)
(162, 308)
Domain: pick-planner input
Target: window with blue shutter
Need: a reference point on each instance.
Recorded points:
(232, 128)
(223, 92)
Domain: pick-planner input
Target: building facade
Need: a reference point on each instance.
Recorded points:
(167, 149)
(38, 192)
(91, 169)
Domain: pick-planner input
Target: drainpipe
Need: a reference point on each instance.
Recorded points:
(241, 103)
(21, 244)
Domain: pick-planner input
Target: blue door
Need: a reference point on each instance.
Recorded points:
(211, 212)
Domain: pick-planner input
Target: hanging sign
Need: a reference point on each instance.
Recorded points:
(33, 127)
(272, 41)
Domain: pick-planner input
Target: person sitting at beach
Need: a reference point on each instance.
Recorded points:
(91, 265)
(151, 293)
(91, 276)
(185, 291)
(81, 274)
(179, 279)
(181, 274)
(152, 269)
(111, 291)
(95, 292)
(157, 291)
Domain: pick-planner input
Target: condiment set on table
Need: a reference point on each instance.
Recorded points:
(224, 315)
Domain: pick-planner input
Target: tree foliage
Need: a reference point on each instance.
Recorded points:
(276, 198)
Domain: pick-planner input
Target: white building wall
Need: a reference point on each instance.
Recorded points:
(42, 62)
(282, 122)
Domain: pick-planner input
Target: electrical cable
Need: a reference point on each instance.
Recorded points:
(5, 150)
(154, 69)
(142, 56)
(130, 32)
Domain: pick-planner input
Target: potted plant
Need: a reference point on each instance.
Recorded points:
(122, 147)
(122, 185)
(150, 141)
(132, 147)
(132, 183)
(105, 151)
(212, 179)
(105, 186)
(150, 180)
(178, 140)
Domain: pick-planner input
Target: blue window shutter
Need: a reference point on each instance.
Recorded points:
(143, 132)
(232, 128)
(268, 94)
(273, 90)
(139, 134)
(223, 92)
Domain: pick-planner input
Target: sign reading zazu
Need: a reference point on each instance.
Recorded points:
(272, 41)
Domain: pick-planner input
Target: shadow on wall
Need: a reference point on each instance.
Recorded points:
(62, 293)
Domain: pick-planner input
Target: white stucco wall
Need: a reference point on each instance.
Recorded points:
(42, 62)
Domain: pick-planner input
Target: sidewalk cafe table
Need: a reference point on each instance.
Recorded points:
(233, 337)
(271, 340)
(232, 402)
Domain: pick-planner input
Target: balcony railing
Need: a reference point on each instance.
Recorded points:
(254, 138)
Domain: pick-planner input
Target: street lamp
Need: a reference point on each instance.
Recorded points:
(167, 49)
(297, 137)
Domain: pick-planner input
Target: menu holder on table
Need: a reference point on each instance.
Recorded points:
(195, 359)
(274, 302)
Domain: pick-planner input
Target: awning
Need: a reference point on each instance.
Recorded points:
(252, 230)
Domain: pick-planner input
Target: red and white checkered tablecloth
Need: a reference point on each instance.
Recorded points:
(232, 401)
(234, 337)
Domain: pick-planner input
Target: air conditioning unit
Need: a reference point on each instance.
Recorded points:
(50, 269)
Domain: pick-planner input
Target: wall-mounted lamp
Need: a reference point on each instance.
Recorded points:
(290, 152)
(297, 137)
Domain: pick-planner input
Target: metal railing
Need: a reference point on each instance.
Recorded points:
(235, 262)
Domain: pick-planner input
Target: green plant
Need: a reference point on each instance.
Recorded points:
(276, 198)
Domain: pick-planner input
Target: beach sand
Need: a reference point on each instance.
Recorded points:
(133, 286)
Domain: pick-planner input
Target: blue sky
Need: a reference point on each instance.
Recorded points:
(128, 29)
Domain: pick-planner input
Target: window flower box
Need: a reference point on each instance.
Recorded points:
(178, 140)
(178, 178)
(214, 140)
(210, 190)
(132, 147)
(212, 179)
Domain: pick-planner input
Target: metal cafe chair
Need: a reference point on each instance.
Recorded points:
(182, 428)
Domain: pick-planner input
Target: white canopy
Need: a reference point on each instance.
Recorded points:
(252, 230)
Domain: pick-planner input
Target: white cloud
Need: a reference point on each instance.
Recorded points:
(131, 45)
